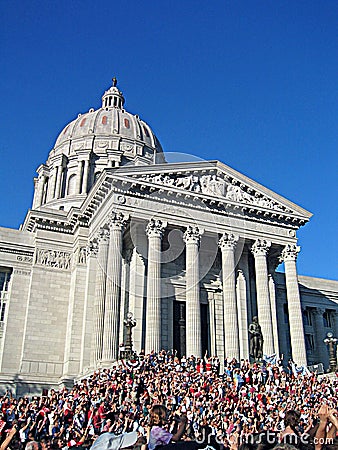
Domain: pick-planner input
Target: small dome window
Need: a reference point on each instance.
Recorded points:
(126, 123)
(66, 129)
(83, 121)
(146, 131)
(104, 120)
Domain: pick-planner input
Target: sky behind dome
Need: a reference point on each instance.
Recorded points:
(250, 83)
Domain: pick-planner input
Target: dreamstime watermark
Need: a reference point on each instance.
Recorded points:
(272, 438)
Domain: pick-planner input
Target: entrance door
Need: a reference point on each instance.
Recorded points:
(179, 328)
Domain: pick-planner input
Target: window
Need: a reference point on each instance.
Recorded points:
(327, 319)
(309, 342)
(104, 120)
(83, 121)
(307, 317)
(126, 123)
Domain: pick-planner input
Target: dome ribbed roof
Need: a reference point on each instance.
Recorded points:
(109, 122)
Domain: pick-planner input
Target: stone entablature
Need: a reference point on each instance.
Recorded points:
(182, 185)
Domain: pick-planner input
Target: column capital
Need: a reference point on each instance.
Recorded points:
(192, 235)
(117, 220)
(228, 241)
(260, 247)
(102, 235)
(155, 228)
(290, 252)
(92, 248)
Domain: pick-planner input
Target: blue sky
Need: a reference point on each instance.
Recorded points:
(250, 83)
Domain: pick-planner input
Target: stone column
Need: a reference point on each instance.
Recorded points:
(192, 238)
(259, 250)
(117, 222)
(40, 190)
(272, 290)
(85, 177)
(58, 181)
(241, 292)
(211, 301)
(227, 244)
(51, 190)
(154, 232)
(78, 178)
(87, 325)
(289, 256)
(100, 293)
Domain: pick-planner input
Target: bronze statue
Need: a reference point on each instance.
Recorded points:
(256, 339)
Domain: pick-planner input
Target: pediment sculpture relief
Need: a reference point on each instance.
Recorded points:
(216, 186)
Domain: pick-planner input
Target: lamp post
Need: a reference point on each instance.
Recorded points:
(331, 342)
(129, 323)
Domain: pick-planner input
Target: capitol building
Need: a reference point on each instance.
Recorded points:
(190, 249)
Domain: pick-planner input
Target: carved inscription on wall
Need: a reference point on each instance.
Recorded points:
(27, 259)
(53, 258)
(25, 273)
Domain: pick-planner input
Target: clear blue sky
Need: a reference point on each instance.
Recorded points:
(250, 83)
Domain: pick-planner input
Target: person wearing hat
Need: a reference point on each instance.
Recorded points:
(111, 441)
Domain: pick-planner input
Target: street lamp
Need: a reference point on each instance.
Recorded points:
(129, 323)
(331, 341)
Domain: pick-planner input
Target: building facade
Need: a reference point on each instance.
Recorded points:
(191, 249)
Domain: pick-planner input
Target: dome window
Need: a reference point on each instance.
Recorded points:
(146, 131)
(83, 121)
(126, 123)
(104, 120)
(66, 129)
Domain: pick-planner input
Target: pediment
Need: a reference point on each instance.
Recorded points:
(212, 182)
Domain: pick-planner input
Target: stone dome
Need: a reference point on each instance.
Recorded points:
(111, 127)
(103, 138)
(111, 121)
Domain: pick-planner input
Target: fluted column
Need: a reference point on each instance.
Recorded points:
(242, 309)
(289, 256)
(40, 190)
(51, 190)
(227, 244)
(85, 177)
(58, 181)
(100, 292)
(117, 222)
(154, 232)
(78, 178)
(192, 238)
(272, 290)
(259, 250)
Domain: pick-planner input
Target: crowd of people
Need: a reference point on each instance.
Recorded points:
(247, 406)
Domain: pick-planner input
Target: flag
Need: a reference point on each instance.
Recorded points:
(300, 370)
(272, 359)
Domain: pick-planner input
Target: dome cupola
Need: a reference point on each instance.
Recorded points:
(107, 137)
(113, 98)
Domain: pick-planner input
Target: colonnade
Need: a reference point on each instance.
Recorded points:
(106, 321)
(51, 187)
